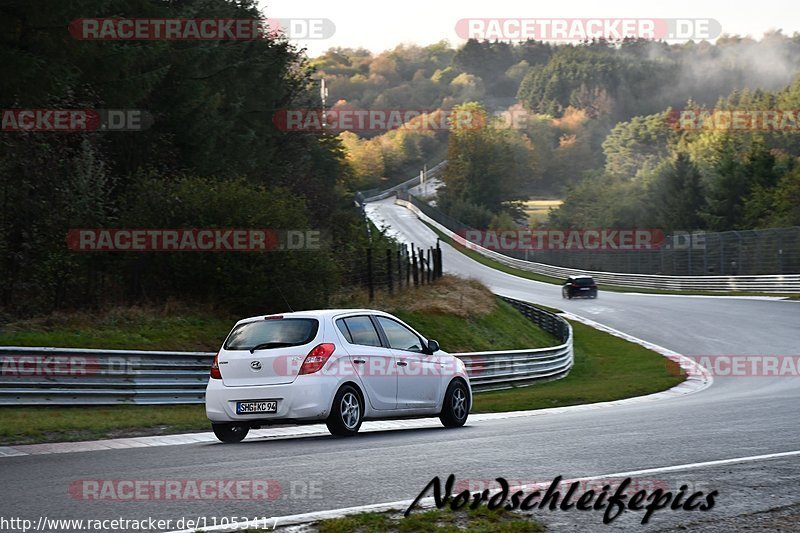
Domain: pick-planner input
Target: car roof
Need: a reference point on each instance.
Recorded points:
(581, 276)
(314, 313)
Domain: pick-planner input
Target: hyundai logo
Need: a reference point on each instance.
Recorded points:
(255, 366)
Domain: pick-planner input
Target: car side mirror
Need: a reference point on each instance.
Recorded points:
(433, 346)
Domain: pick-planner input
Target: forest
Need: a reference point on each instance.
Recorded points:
(590, 123)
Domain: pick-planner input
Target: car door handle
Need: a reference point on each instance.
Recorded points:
(402, 363)
(359, 361)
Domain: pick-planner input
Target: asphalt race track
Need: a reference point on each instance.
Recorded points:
(737, 417)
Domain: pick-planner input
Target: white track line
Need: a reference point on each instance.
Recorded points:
(305, 518)
(698, 377)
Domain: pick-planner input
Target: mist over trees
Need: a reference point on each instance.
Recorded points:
(589, 122)
(715, 179)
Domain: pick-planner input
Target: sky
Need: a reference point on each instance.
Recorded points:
(380, 26)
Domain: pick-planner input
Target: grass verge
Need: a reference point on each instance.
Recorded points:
(480, 520)
(606, 368)
(482, 259)
(538, 211)
(133, 328)
(31, 425)
(461, 314)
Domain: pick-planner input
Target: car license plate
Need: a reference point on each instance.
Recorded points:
(250, 408)
(584, 288)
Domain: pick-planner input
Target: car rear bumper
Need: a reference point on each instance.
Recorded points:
(308, 398)
(582, 294)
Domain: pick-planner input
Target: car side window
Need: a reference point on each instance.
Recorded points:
(343, 328)
(359, 330)
(399, 336)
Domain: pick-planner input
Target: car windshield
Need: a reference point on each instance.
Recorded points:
(272, 333)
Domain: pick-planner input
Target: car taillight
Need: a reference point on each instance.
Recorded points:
(317, 358)
(215, 374)
(574, 285)
(594, 285)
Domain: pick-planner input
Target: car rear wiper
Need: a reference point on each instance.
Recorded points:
(269, 345)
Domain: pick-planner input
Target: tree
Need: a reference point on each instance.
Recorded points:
(637, 146)
(678, 195)
(786, 201)
(728, 189)
(366, 159)
(486, 165)
(212, 102)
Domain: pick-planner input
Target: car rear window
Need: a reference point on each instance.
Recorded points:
(283, 332)
(584, 282)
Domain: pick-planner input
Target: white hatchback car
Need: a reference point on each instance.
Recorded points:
(341, 366)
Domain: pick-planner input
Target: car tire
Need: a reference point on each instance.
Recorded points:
(230, 433)
(455, 408)
(347, 412)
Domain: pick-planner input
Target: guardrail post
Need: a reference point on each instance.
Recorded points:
(430, 270)
(389, 270)
(414, 265)
(438, 259)
(421, 266)
(369, 275)
(399, 269)
(407, 261)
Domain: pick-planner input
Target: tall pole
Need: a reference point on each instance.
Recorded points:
(323, 94)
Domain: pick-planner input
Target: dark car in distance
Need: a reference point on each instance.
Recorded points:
(579, 287)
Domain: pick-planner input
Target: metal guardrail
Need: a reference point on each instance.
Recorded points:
(776, 283)
(71, 376)
(754, 252)
(376, 194)
(511, 368)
